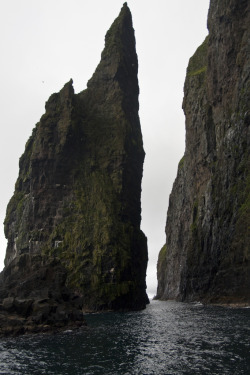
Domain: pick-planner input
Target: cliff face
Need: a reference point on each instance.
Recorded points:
(77, 198)
(207, 251)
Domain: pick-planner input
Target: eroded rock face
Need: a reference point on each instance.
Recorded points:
(77, 197)
(207, 251)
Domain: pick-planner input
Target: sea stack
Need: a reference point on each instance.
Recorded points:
(73, 223)
(207, 251)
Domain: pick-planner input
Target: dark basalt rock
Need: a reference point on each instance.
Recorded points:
(207, 251)
(73, 223)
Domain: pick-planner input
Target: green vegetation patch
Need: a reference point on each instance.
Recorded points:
(198, 62)
(197, 72)
(181, 163)
(15, 203)
(162, 253)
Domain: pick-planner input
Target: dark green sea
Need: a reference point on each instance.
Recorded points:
(166, 338)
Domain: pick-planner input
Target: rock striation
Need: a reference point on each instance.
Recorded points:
(207, 251)
(73, 223)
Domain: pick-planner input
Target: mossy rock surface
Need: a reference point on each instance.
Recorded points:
(207, 229)
(77, 197)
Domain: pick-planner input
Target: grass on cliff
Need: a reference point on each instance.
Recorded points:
(181, 162)
(162, 257)
(198, 62)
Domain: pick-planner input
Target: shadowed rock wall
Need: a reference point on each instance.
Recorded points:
(207, 251)
(77, 197)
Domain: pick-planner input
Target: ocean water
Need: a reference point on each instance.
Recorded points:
(166, 338)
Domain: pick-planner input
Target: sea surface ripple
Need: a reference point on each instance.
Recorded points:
(166, 338)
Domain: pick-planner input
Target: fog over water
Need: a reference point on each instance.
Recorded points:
(44, 43)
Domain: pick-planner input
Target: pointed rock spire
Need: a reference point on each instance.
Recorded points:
(76, 208)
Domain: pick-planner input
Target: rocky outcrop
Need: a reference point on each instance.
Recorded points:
(207, 251)
(34, 298)
(77, 198)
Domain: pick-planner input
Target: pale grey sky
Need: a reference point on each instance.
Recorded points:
(44, 43)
